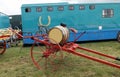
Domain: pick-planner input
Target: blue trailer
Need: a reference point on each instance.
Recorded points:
(4, 20)
(101, 21)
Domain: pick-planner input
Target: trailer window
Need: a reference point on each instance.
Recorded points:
(49, 8)
(61, 8)
(27, 10)
(91, 7)
(82, 7)
(71, 7)
(107, 13)
(38, 9)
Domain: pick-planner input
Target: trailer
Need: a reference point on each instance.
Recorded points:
(4, 20)
(101, 21)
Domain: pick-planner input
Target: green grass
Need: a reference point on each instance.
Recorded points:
(16, 63)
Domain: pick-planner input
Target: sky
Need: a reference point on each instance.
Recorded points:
(13, 7)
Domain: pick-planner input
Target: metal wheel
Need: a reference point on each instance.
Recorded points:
(43, 55)
(37, 53)
(2, 47)
(118, 37)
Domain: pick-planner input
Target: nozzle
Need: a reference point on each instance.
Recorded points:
(62, 24)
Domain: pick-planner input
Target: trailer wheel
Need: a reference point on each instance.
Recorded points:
(118, 37)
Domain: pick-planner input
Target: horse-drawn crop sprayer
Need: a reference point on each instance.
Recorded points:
(55, 42)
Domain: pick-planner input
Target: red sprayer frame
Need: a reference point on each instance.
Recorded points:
(70, 48)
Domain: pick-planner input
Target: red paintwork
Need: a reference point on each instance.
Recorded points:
(70, 48)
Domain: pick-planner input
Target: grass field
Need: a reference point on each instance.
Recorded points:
(17, 63)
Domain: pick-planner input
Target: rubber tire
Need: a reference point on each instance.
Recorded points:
(118, 37)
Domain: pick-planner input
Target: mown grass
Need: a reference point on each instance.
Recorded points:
(16, 63)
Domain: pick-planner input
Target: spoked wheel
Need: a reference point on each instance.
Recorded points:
(43, 55)
(2, 47)
(37, 55)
